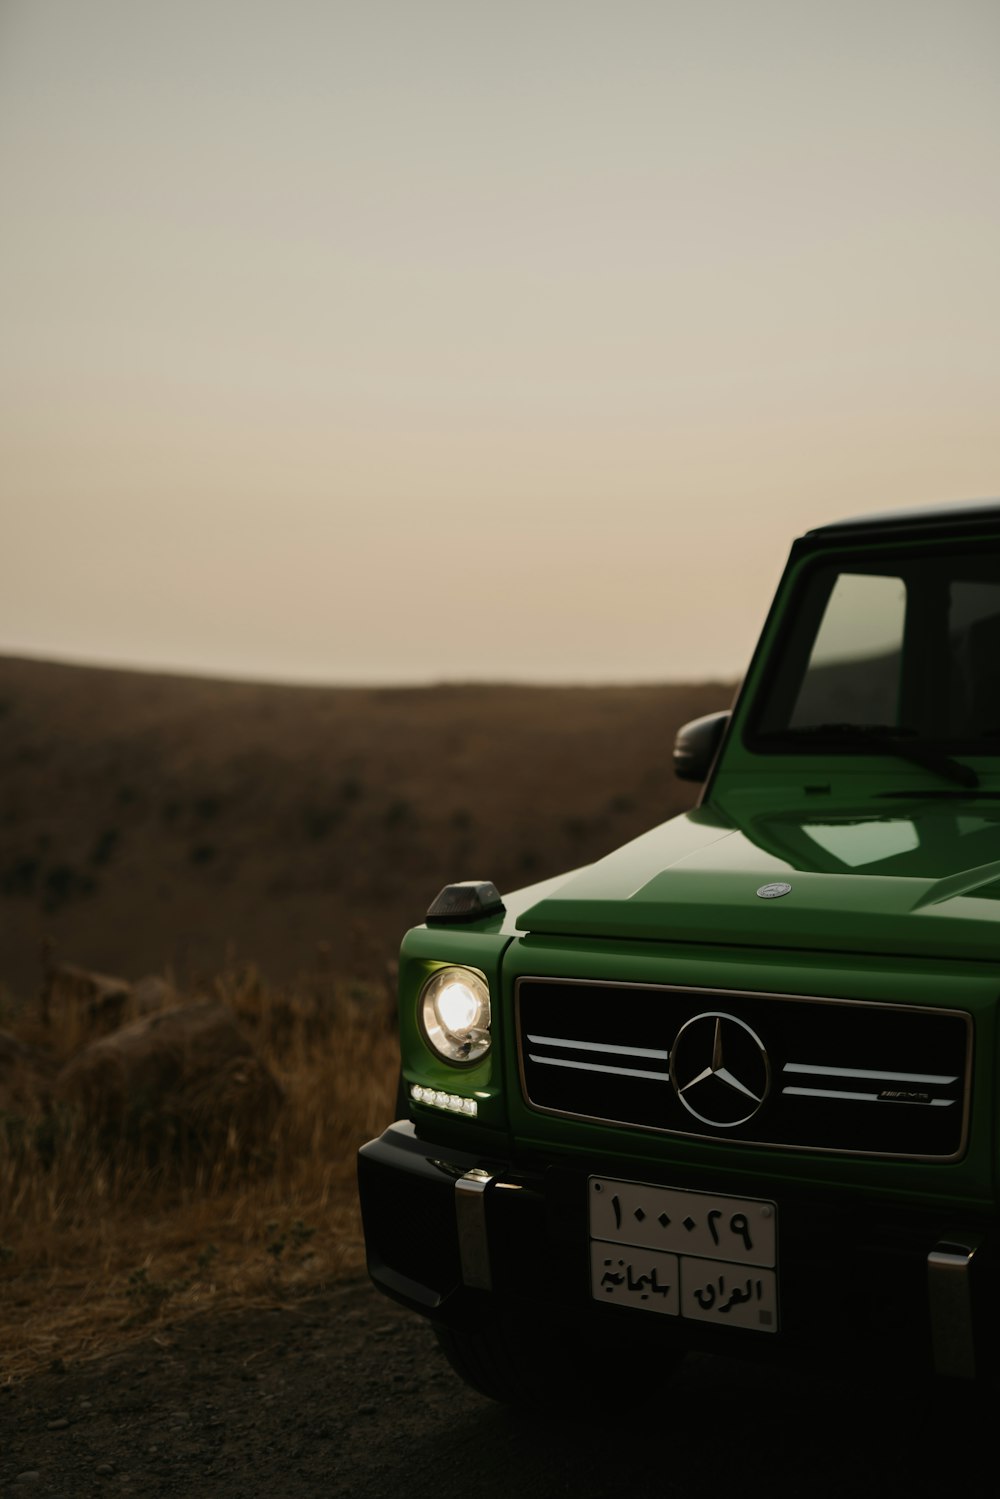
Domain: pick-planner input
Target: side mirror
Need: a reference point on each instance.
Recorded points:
(697, 744)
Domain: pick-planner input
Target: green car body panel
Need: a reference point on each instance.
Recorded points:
(830, 876)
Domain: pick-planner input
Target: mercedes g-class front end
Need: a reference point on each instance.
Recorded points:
(734, 1085)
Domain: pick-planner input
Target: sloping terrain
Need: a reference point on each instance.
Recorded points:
(152, 822)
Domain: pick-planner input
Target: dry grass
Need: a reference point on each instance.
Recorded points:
(100, 1243)
(159, 822)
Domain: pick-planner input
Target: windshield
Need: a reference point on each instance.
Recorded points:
(900, 650)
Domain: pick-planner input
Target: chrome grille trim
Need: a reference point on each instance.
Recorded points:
(953, 1024)
(656, 1077)
(890, 1077)
(622, 1051)
(941, 1103)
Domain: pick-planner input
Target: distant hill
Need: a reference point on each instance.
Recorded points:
(152, 821)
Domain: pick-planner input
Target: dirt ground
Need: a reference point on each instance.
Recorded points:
(344, 1393)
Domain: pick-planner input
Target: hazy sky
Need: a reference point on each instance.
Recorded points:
(422, 339)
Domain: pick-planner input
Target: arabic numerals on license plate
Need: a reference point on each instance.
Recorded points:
(683, 1222)
(738, 1226)
(684, 1253)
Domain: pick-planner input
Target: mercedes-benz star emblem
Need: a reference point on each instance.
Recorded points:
(771, 892)
(719, 1069)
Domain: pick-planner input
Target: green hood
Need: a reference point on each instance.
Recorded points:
(923, 879)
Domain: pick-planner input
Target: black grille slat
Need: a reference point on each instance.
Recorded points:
(846, 1075)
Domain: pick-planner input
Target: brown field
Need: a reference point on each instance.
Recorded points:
(101, 1237)
(265, 845)
(153, 822)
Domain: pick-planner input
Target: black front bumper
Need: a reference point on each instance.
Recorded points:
(456, 1236)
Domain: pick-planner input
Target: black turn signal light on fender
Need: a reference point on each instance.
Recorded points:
(469, 900)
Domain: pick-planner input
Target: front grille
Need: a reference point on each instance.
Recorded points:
(779, 1070)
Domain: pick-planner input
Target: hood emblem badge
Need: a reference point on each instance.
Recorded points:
(719, 1069)
(771, 892)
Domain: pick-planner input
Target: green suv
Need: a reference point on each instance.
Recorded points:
(733, 1087)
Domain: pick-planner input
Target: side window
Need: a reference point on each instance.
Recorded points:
(974, 639)
(854, 667)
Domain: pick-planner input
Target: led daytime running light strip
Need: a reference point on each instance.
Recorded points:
(452, 1102)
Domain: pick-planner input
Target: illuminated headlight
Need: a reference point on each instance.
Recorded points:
(455, 1014)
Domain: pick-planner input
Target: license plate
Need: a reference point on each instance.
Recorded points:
(684, 1254)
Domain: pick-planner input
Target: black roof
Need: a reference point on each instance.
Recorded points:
(978, 515)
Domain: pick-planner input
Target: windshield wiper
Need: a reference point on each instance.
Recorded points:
(898, 741)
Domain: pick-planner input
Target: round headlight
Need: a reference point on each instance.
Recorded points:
(455, 1014)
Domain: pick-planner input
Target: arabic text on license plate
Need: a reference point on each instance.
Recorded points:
(725, 1273)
